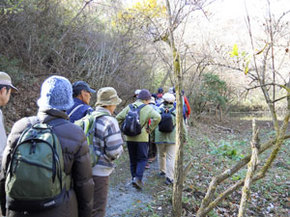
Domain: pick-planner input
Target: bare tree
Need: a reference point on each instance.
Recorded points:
(260, 75)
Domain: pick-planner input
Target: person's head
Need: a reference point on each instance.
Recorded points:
(160, 90)
(168, 98)
(145, 96)
(107, 97)
(56, 92)
(6, 87)
(82, 91)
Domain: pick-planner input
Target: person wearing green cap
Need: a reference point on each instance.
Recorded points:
(6, 88)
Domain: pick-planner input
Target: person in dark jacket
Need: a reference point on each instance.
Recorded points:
(82, 94)
(55, 99)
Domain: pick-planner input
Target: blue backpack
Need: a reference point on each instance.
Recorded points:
(131, 125)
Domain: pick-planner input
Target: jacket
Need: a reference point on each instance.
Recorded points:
(80, 111)
(108, 142)
(78, 201)
(3, 136)
(146, 113)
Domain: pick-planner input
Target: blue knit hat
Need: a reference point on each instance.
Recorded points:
(56, 92)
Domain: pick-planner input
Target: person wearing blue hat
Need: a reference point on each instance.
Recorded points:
(82, 94)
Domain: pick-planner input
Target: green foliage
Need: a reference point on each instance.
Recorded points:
(212, 93)
(243, 57)
(228, 149)
(11, 6)
(12, 67)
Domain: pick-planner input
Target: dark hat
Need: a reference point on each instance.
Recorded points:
(160, 90)
(144, 95)
(82, 85)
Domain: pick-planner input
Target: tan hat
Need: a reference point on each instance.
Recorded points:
(6, 80)
(107, 96)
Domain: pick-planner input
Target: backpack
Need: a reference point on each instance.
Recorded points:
(131, 125)
(35, 176)
(87, 124)
(166, 123)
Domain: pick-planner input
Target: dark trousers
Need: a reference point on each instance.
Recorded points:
(152, 150)
(100, 195)
(138, 154)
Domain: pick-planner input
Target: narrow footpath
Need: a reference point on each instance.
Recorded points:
(125, 200)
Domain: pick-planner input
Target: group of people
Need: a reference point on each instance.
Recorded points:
(61, 104)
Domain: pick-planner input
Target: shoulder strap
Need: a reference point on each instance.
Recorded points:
(56, 122)
(97, 115)
(172, 110)
(141, 106)
(76, 108)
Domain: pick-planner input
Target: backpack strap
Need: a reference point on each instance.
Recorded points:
(171, 111)
(75, 109)
(138, 108)
(141, 106)
(131, 106)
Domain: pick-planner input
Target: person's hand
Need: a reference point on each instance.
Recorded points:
(147, 130)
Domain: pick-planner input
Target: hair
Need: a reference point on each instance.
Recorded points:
(76, 92)
(167, 103)
(7, 87)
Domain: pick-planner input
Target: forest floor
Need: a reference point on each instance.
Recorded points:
(213, 146)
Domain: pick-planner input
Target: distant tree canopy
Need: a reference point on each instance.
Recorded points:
(211, 94)
(72, 39)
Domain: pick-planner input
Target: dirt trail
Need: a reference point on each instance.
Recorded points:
(125, 200)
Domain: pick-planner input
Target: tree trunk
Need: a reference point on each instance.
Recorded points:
(178, 175)
(251, 170)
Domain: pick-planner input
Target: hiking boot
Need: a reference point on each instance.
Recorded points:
(161, 174)
(168, 181)
(150, 160)
(137, 183)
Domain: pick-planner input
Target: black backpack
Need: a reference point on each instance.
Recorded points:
(131, 125)
(166, 123)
